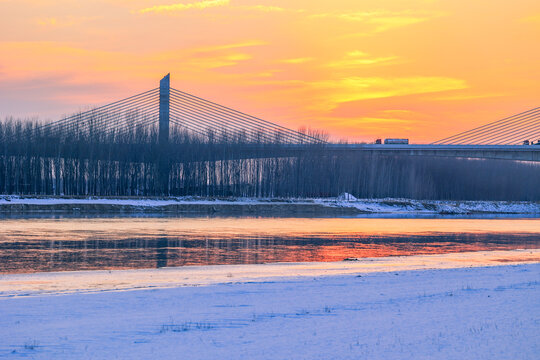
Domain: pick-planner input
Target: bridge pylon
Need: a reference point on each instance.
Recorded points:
(164, 109)
(163, 135)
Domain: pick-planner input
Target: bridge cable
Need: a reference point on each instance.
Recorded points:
(254, 119)
(501, 129)
(218, 120)
(486, 126)
(236, 120)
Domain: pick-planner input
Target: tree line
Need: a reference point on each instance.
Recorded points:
(75, 162)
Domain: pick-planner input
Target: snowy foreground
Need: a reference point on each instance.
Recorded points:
(343, 202)
(454, 313)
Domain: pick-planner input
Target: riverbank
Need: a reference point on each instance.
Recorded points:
(341, 206)
(65, 282)
(372, 308)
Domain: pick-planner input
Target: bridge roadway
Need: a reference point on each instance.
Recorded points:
(209, 152)
(505, 152)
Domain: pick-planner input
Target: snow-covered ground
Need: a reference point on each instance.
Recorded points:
(432, 206)
(453, 313)
(383, 206)
(150, 202)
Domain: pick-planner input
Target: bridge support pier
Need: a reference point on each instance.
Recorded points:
(163, 135)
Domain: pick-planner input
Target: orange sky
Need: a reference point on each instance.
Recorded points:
(420, 69)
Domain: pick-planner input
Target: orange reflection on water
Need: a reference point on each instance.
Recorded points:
(127, 243)
(153, 227)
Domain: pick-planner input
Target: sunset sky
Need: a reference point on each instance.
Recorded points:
(360, 69)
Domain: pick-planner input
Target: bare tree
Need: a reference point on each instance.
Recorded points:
(92, 161)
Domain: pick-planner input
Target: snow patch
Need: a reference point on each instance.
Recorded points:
(398, 206)
(346, 197)
(467, 313)
(345, 200)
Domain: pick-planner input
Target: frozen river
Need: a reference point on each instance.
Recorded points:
(65, 244)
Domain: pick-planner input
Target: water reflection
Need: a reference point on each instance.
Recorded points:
(161, 252)
(84, 244)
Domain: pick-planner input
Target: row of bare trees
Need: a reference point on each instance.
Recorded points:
(74, 163)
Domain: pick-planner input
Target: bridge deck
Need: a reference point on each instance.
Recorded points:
(507, 152)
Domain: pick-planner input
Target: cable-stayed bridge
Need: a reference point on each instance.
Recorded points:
(165, 108)
(512, 130)
(168, 111)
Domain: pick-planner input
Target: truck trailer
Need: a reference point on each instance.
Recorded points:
(396, 141)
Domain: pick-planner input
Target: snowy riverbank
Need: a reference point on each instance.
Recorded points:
(343, 205)
(384, 310)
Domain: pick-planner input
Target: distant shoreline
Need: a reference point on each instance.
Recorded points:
(257, 207)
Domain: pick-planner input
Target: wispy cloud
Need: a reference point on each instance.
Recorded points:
(359, 58)
(200, 5)
(204, 4)
(51, 21)
(60, 58)
(462, 97)
(217, 61)
(269, 9)
(333, 93)
(385, 23)
(296, 60)
(64, 21)
(236, 45)
(532, 18)
(383, 20)
(377, 120)
(368, 125)
(264, 8)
